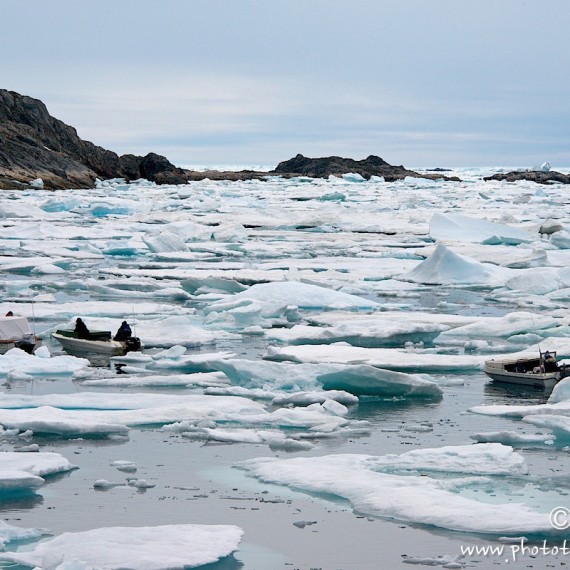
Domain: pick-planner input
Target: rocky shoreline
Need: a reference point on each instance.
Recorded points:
(40, 151)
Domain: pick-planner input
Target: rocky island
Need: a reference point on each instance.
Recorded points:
(538, 176)
(34, 145)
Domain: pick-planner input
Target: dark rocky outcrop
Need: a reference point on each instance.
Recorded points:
(337, 166)
(33, 144)
(537, 176)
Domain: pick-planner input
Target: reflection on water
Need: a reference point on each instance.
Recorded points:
(516, 393)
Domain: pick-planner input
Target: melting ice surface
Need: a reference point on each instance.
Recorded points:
(326, 336)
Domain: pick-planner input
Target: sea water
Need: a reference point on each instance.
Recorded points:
(195, 480)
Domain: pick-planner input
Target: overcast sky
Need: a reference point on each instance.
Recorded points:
(417, 82)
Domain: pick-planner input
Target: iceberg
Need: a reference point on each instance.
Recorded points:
(445, 267)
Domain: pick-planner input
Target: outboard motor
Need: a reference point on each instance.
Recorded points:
(27, 343)
(133, 343)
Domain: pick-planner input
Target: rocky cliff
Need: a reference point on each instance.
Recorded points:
(33, 144)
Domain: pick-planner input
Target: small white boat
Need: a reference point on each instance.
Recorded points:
(99, 342)
(539, 371)
(15, 332)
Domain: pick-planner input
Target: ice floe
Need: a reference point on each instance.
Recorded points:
(357, 379)
(138, 548)
(40, 364)
(24, 471)
(410, 498)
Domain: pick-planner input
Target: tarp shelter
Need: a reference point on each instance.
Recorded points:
(14, 327)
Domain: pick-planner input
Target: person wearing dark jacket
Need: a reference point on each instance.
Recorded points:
(81, 329)
(124, 332)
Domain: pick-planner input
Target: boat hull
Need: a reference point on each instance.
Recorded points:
(524, 379)
(84, 346)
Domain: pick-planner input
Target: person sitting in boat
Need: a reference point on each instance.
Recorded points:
(550, 362)
(81, 329)
(124, 332)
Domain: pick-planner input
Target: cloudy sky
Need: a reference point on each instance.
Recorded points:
(417, 82)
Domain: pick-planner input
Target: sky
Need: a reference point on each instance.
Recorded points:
(423, 83)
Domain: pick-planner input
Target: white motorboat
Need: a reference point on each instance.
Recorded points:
(15, 332)
(98, 342)
(542, 370)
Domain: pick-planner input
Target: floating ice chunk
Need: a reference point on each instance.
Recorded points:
(232, 233)
(255, 393)
(333, 197)
(104, 484)
(372, 331)
(10, 533)
(42, 352)
(544, 167)
(173, 352)
(223, 284)
(370, 380)
(48, 420)
(446, 267)
(16, 375)
(137, 548)
(275, 439)
(499, 327)
(386, 358)
(560, 425)
(37, 183)
(47, 269)
(308, 398)
(126, 466)
(33, 448)
(26, 471)
(205, 379)
(536, 281)
(162, 240)
(274, 298)
(447, 561)
(458, 227)
(422, 500)
(478, 459)
(353, 378)
(13, 480)
(560, 392)
(511, 438)
(140, 484)
(16, 359)
(151, 409)
(179, 331)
